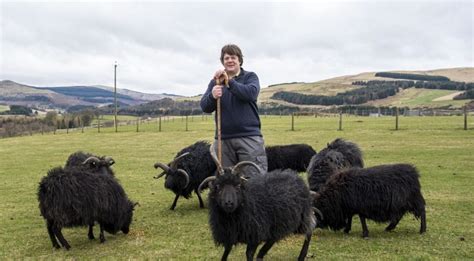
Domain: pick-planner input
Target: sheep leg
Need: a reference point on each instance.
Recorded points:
(348, 225)
(101, 236)
(201, 204)
(365, 231)
(226, 252)
(393, 224)
(251, 249)
(51, 234)
(423, 222)
(59, 235)
(174, 202)
(263, 251)
(91, 233)
(304, 249)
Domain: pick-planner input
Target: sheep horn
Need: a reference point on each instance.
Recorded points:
(236, 168)
(175, 162)
(317, 211)
(220, 170)
(185, 175)
(91, 158)
(162, 166)
(109, 160)
(204, 182)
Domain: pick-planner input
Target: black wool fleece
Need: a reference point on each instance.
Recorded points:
(239, 111)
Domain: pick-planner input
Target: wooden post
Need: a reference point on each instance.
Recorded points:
(98, 123)
(186, 122)
(292, 121)
(340, 120)
(67, 127)
(396, 118)
(465, 117)
(138, 123)
(159, 124)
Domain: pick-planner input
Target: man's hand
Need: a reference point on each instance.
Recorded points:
(217, 91)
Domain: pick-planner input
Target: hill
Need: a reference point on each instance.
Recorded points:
(407, 97)
(64, 97)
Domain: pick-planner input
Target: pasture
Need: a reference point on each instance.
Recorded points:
(4, 108)
(438, 146)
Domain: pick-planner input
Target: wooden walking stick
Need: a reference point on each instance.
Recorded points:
(218, 111)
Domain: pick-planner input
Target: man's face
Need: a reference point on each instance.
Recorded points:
(231, 63)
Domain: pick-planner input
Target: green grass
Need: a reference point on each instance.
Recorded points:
(4, 108)
(438, 146)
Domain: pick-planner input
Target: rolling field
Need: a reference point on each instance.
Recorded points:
(438, 146)
(4, 108)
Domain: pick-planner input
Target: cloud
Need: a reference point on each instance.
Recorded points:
(175, 47)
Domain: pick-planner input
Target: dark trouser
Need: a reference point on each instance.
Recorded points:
(244, 149)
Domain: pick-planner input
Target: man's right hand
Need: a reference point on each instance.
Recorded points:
(217, 91)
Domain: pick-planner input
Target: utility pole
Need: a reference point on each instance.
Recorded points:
(115, 95)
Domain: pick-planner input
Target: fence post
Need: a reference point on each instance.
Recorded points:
(465, 117)
(159, 124)
(98, 123)
(340, 120)
(186, 122)
(138, 123)
(292, 121)
(396, 118)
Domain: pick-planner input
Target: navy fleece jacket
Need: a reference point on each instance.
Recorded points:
(239, 111)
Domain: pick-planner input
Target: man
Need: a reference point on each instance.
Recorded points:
(241, 135)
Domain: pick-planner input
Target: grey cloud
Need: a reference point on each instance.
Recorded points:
(175, 47)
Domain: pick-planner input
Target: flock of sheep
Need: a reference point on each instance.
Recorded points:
(261, 209)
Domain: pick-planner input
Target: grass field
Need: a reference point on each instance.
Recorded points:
(4, 108)
(438, 146)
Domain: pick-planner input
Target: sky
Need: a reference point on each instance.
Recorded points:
(174, 47)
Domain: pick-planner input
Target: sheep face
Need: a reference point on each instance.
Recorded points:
(175, 180)
(100, 165)
(227, 190)
(128, 220)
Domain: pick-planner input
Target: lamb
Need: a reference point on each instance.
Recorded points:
(381, 193)
(293, 156)
(74, 197)
(265, 208)
(190, 167)
(341, 153)
(88, 161)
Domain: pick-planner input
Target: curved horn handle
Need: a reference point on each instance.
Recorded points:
(185, 175)
(236, 168)
(91, 158)
(220, 170)
(175, 162)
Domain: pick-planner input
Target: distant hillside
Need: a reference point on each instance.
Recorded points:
(64, 97)
(406, 97)
(139, 95)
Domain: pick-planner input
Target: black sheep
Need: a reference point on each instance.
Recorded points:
(382, 193)
(90, 162)
(74, 197)
(265, 208)
(190, 167)
(293, 156)
(341, 154)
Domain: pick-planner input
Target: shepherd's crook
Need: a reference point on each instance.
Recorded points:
(219, 142)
